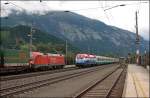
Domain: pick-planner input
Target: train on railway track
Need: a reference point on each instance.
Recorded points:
(21, 61)
(46, 61)
(86, 60)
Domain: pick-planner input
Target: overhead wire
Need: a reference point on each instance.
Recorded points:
(46, 9)
(138, 4)
(81, 9)
(85, 8)
(78, 9)
(106, 13)
(114, 20)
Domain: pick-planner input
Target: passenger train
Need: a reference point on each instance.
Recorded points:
(86, 60)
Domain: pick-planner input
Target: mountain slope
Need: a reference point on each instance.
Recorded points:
(17, 36)
(82, 32)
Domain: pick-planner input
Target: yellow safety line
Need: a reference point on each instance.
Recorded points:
(139, 84)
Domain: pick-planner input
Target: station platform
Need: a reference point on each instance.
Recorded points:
(137, 82)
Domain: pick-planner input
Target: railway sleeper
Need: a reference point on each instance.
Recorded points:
(99, 88)
(118, 89)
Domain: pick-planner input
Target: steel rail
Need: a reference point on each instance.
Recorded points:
(29, 86)
(4, 78)
(86, 90)
(117, 90)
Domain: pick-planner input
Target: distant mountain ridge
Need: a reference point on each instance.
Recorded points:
(82, 32)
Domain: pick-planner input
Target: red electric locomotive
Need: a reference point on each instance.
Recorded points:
(48, 61)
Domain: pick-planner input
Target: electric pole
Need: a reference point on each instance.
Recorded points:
(66, 51)
(31, 37)
(137, 40)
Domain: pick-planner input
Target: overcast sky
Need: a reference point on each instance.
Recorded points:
(122, 16)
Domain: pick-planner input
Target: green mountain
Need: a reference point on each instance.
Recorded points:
(87, 34)
(17, 37)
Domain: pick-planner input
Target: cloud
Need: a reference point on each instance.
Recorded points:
(145, 33)
(123, 17)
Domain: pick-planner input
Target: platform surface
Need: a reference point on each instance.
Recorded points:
(137, 82)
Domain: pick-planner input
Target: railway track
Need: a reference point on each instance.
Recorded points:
(117, 90)
(110, 86)
(27, 86)
(12, 77)
(18, 70)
